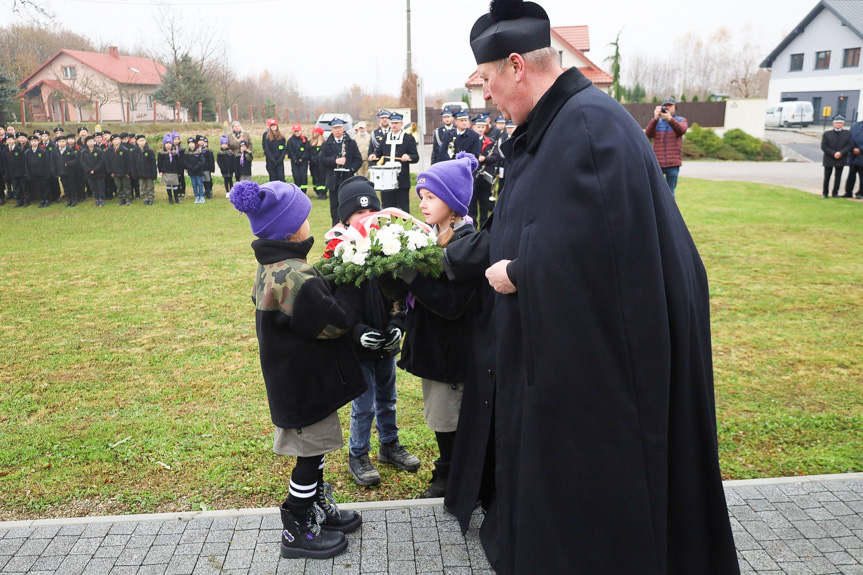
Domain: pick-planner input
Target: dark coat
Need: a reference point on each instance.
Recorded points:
(441, 133)
(246, 168)
(836, 141)
(209, 160)
(468, 141)
(605, 458)
(144, 163)
(65, 163)
(13, 162)
(307, 359)
(193, 162)
(274, 150)
(409, 147)
(330, 151)
(37, 164)
(169, 163)
(378, 136)
(438, 338)
(299, 149)
(373, 311)
(119, 162)
(225, 159)
(856, 142)
(93, 162)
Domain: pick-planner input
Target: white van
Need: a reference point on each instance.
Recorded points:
(787, 114)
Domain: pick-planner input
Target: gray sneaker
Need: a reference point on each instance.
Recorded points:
(394, 454)
(363, 471)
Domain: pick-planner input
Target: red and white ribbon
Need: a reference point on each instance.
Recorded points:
(360, 227)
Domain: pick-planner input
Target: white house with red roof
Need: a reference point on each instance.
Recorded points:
(571, 43)
(121, 86)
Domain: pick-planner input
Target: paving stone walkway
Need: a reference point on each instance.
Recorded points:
(809, 526)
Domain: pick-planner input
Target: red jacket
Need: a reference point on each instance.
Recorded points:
(667, 140)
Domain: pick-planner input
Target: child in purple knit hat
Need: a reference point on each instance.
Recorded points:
(308, 363)
(441, 316)
(225, 160)
(170, 167)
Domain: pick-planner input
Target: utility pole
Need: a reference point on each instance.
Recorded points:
(409, 38)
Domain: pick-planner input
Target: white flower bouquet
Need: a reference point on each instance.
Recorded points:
(388, 242)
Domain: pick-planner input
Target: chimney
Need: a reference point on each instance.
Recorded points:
(114, 52)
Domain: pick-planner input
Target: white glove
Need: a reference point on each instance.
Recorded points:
(394, 338)
(372, 339)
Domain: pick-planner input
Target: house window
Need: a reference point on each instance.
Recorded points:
(796, 62)
(132, 101)
(822, 60)
(560, 57)
(69, 72)
(149, 101)
(851, 58)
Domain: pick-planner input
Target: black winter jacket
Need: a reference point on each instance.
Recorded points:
(299, 149)
(309, 365)
(144, 163)
(836, 141)
(119, 162)
(225, 159)
(169, 164)
(438, 339)
(65, 163)
(274, 150)
(373, 311)
(246, 168)
(13, 162)
(193, 162)
(37, 163)
(93, 162)
(209, 160)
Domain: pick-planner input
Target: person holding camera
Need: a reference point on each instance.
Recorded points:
(666, 130)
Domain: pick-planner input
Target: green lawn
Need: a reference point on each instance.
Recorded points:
(130, 377)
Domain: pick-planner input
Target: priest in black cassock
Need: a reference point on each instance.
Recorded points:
(589, 430)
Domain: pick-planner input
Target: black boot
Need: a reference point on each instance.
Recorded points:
(304, 537)
(440, 474)
(336, 519)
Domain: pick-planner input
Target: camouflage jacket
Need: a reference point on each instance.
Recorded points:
(309, 368)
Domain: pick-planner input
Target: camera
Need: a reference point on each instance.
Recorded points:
(664, 109)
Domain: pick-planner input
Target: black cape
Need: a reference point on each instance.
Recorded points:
(601, 432)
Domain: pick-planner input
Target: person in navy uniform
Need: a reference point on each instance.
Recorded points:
(13, 167)
(93, 163)
(462, 139)
(836, 145)
(480, 204)
(65, 165)
(341, 158)
(406, 153)
(588, 430)
(380, 132)
(497, 129)
(37, 165)
(442, 133)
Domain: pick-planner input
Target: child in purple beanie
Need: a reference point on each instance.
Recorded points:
(225, 160)
(170, 167)
(308, 363)
(438, 324)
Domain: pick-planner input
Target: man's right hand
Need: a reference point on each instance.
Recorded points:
(373, 158)
(656, 112)
(856, 151)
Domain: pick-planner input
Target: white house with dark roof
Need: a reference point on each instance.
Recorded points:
(819, 61)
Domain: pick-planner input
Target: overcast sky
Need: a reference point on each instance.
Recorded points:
(330, 44)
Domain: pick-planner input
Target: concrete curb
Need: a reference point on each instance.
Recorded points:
(789, 155)
(363, 506)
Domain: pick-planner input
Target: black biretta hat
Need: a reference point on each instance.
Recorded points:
(511, 26)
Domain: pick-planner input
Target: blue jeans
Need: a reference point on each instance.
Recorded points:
(671, 177)
(377, 402)
(197, 185)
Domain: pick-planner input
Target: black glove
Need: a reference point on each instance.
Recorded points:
(372, 339)
(393, 339)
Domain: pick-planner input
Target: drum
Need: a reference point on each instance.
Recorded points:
(385, 177)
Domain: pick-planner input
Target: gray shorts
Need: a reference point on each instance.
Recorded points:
(318, 438)
(441, 404)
